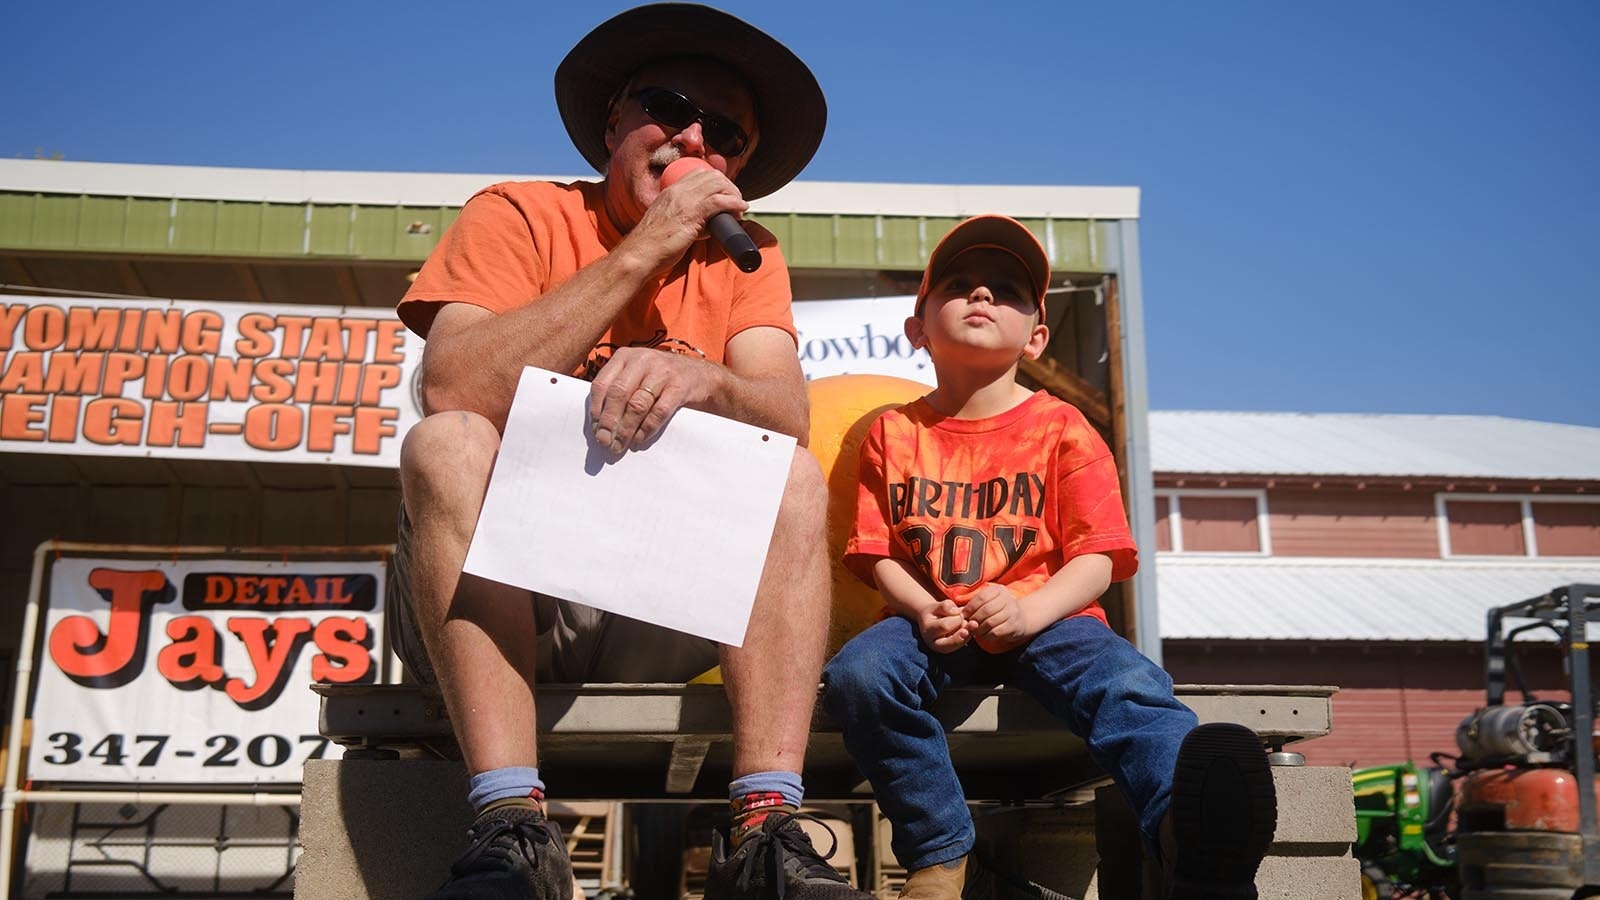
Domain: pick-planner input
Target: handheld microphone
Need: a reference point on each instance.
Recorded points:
(723, 226)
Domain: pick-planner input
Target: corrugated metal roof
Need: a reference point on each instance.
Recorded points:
(1249, 443)
(451, 189)
(1347, 600)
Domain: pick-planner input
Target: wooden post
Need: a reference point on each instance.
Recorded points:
(1119, 438)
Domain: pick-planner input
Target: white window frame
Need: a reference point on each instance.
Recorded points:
(1530, 537)
(1175, 497)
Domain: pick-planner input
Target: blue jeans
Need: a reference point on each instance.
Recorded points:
(882, 684)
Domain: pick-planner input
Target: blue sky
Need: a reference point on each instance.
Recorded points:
(1354, 206)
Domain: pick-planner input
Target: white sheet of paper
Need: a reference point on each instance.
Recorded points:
(674, 534)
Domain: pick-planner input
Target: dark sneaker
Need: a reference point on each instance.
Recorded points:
(777, 861)
(1224, 812)
(516, 854)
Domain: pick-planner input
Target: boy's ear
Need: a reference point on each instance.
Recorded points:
(915, 334)
(1037, 341)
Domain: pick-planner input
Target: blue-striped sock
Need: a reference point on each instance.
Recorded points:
(756, 796)
(508, 786)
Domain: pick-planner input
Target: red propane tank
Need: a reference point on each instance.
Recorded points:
(1532, 799)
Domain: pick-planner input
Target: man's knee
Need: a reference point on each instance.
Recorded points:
(455, 444)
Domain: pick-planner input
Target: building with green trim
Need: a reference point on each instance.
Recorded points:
(351, 239)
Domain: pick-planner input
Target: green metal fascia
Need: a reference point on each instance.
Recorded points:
(233, 228)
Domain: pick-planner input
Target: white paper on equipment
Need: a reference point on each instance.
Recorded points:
(674, 534)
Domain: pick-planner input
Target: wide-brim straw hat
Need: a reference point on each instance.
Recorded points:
(791, 113)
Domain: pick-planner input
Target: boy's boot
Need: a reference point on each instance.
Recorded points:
(954, 880)
(1224, 812)
(776, 861)
(516, 854)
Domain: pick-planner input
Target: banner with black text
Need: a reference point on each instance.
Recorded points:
(863, 336)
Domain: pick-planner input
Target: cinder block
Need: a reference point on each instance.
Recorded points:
(1315, 805)
(1309, 878)
(1310, 854)
(379, 829)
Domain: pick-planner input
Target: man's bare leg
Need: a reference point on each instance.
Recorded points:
(772, 687)
(479, 634)
(772, 680)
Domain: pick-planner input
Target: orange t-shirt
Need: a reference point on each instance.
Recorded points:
(515, 242)
(1004, 500)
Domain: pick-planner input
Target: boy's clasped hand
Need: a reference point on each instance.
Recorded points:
(992, 618)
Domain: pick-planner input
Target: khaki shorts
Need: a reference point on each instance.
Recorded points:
(576, 643)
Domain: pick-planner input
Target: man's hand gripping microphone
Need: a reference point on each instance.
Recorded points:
(722, 226)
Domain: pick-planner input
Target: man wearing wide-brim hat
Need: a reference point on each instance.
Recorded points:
(615, 282)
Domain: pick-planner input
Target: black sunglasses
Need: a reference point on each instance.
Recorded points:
(674, 110)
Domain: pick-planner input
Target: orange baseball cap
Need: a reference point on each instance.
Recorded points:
(996, 232)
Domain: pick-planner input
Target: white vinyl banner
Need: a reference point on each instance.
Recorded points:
(205, 380)
(865, 336)
(287, 383)
(197, 671)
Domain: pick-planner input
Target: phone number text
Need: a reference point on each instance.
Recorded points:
(69, 748)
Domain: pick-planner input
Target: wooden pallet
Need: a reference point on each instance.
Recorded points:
(593, 836)
(888, 876)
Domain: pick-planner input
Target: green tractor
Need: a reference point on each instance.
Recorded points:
(1403, 834)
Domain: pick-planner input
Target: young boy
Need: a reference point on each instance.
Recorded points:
(990, 519)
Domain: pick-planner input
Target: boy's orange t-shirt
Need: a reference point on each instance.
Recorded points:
(515, 242)
(1004, 500)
